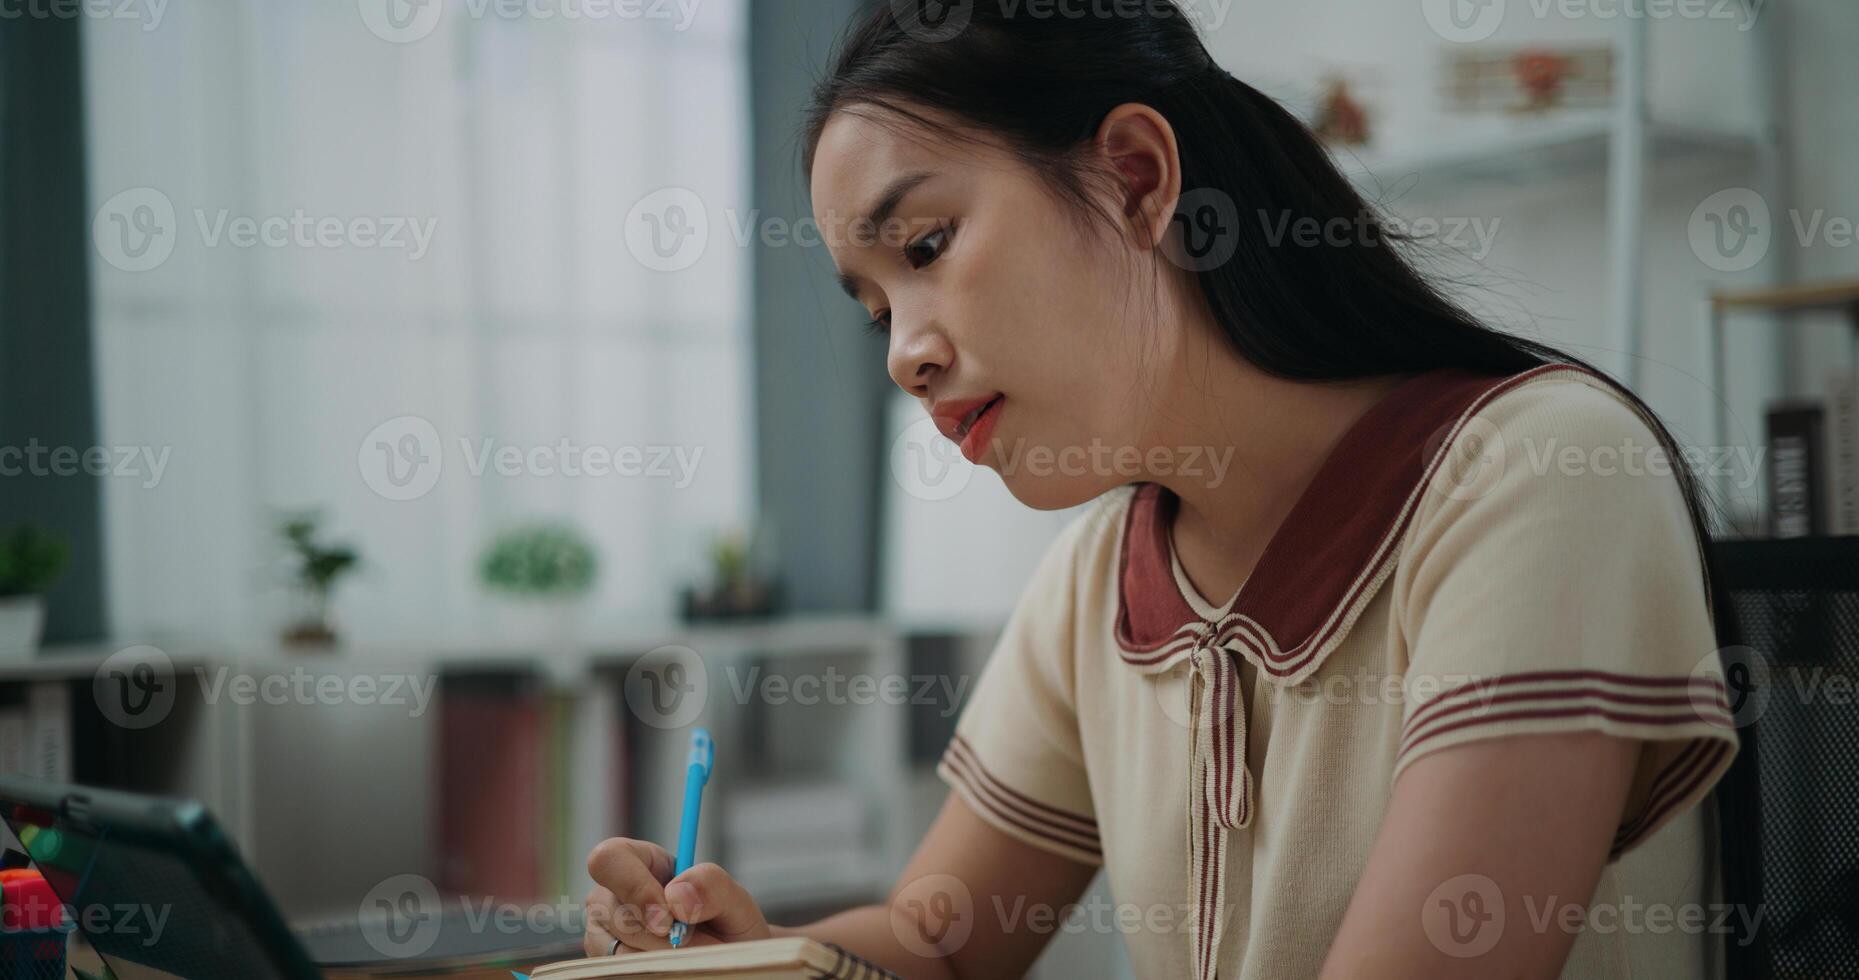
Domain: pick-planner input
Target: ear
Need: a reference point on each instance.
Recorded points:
(1140, 146)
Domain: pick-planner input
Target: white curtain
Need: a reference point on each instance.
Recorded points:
(260, 355)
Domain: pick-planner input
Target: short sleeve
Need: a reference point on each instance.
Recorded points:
(1553, 584)
(1016, 757)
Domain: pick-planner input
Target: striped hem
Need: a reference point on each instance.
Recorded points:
(1692, 710)
(1069, 834)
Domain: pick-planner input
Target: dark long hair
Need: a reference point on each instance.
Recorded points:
(1041, 85)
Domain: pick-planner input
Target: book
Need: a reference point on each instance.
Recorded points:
(48, 737)
(788, 958)
(12, 741)
(1843, 452)
(493, 793)
(1797, 488)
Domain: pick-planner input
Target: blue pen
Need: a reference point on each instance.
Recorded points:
(703, 756)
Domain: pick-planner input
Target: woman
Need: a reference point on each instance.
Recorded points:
(1418, 682)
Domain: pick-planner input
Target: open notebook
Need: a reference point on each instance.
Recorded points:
(763, 959)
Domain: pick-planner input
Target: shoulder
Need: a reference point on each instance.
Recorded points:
(1561, 463)
(1571, 407)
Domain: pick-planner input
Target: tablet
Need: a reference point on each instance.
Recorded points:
(154, 885)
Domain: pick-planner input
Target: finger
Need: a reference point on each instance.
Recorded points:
(596, 938)
(707, 895)
(632, 872)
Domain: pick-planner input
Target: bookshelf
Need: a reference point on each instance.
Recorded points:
(316, 794)
(1781, 300)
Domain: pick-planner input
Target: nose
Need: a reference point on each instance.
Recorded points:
(918, 355)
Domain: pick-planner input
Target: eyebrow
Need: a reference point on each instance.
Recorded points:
(881, 212)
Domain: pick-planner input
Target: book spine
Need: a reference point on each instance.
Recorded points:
(1796, 486)
(13, 751)
(48, 712)
(1843, 453)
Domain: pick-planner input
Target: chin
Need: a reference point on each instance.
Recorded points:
(1054, 492)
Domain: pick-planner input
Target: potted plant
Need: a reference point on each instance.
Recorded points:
(31, 559)
(546, 569)
(734, 591)
(318, 566)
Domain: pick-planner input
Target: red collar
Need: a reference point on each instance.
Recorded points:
(1331, 554)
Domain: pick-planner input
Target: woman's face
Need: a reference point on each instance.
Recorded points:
(1030, 335)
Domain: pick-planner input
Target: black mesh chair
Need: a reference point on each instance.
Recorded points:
(1789, 807)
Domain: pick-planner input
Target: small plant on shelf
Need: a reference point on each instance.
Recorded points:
(541, 561)
(31, 559)
(318, 566)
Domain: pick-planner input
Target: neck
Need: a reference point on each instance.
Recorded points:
(1275, 434)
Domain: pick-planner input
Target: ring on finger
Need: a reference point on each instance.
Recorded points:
(614, 948)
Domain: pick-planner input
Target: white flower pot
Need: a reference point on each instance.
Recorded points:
(22, 623)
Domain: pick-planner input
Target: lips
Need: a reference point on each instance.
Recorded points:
(968, 422)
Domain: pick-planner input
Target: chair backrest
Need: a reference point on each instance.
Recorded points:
(1789, 807)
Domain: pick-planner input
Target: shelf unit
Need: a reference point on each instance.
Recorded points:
(1780, 300)
(1626, 140)
(284, 780)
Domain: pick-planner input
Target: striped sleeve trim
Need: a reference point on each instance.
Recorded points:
(1069, 834)
(1692, 711)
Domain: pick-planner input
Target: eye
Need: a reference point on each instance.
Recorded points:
(879, 325)
(927, 249)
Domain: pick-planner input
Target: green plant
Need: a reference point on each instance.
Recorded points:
(729, 558)
(31, 559)
(318, 565)
(543, 560)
